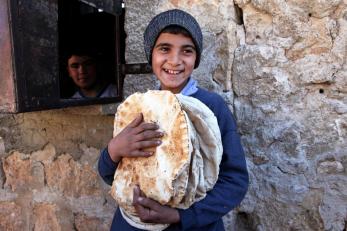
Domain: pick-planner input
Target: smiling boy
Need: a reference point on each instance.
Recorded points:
(173, 60)
(82, 68)
(173, 46)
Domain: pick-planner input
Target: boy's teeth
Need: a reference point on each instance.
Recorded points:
(172, 72)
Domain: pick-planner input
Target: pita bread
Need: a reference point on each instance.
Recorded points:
(156, 175)
(207, 150)
(183, 168)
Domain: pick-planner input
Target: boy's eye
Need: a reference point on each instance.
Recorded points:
(188, 51)
(88, 63)
(164, 49)
(75, 65)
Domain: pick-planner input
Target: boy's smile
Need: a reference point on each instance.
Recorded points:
(173, 60)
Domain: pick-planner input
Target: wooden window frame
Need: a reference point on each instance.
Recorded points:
(29, 71)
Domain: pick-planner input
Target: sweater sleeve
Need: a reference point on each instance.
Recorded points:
(106, 167)
(232, 182)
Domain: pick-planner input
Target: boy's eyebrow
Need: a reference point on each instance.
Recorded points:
(169, 45)
(189, 46)
(88, 61)
(163, 44)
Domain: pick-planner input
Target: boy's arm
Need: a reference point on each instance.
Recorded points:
(232, 182)
(106, 167)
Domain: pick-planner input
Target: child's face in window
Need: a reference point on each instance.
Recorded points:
(82, 70)
(173, 60)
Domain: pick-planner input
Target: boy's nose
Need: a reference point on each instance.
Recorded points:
(82, 68)
(174, 59)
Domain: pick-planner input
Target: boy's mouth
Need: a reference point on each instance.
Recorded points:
(83, 78)
(172, 72)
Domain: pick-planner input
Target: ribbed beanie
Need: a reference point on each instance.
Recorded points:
(169, 18)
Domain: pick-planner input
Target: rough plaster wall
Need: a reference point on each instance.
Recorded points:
(290, 78)
(48, 174)
(281, 65)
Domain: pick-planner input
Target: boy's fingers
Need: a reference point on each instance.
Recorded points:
(137, 121)
(138, 153)
(148, 203)
(142, 212)
(141, 193)
(136, 194)
(147, 144)
(143, 200)
(149, 134)
(146, 126)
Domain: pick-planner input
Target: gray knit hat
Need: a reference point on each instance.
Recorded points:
(169, 18)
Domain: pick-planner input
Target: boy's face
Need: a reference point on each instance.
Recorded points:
(82, 70)
(173, 60)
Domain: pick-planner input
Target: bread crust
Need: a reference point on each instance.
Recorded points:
(163, 176)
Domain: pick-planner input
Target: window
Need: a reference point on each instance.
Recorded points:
(35, 40)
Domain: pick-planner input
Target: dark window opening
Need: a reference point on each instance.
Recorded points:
(85, 29)
(35, 40)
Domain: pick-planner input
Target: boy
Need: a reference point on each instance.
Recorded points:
(173, 45)
(82, 68)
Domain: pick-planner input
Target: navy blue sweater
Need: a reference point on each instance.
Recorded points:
(227, 193)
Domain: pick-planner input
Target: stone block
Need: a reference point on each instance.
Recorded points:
(51, 216)
(72, 179)
(330, 167)
(46, 155)
(85, 223)
(17, 169)
(11, 217)
(45, 217)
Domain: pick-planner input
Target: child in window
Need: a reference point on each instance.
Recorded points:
(82, 67)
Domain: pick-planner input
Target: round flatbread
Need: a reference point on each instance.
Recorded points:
(183, 168)
(163, 176)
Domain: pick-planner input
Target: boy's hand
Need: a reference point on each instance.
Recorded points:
(135, 137)
(151, 211)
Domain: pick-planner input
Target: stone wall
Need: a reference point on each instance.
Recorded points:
(48, 176)
(290, 78)
(280, 65)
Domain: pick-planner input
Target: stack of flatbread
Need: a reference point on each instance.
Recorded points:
(183, 168)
